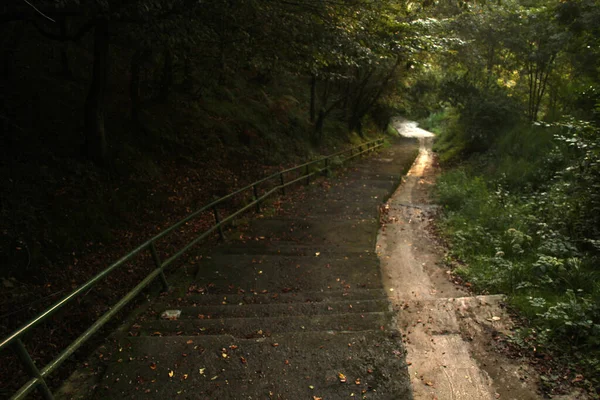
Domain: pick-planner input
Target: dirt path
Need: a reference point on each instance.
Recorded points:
(449, 335)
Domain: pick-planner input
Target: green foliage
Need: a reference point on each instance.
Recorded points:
(524, 219)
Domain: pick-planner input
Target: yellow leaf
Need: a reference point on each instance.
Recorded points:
(171, 374)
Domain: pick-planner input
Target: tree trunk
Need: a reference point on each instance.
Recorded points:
(355, 124)
(10, 45)
(65, 69)
(95, 136)
(167, 76)
(319, 126)
(137, 60)
(313, 94)
(188, 80)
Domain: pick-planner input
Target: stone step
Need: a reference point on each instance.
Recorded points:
(263, 326)
(205, 299)
(334, 209)
(243, 310)
(356, 232)
(301, 365)
(252, 245)
(233, 273)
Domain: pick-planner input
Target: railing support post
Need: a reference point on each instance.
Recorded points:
(327, 171)
(158, 264)
(282, 183)
(255, 192)
(307, 176)
(25, 358)
(218, 222)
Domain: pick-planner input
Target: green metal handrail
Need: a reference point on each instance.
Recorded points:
(38, 377)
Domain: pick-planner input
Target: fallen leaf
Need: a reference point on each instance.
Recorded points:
(201, 371)
(243, 360)
(342, 377)
(185, 376)
(153, 366)
(429, 383)
(171, 374)
(317, 254)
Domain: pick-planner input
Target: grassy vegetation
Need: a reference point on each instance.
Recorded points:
(523, 219)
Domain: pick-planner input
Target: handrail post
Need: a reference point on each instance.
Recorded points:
(218, 222)
(282, 183)
(158, 264)
(25, 358)
(255, 192)
(307, 176)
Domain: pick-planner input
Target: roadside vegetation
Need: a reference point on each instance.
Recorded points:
(516, 114)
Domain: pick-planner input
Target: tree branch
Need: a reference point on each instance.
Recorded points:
(38, 11)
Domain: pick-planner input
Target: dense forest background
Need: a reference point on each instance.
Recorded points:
(119, 117)
(102, 103)
(516, 106)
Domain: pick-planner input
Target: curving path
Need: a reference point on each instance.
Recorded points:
(448, 334)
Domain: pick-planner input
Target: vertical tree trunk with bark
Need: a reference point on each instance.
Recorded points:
(64, 48)
(134, 85)
(313, 94)
(96, 148)
(167, 76)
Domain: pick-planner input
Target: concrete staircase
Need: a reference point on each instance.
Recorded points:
(291, 308)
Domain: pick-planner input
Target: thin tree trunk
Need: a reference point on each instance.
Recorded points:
(134, 84)
(313, 94)
(64, 48)
(95, 136)
(167, 76)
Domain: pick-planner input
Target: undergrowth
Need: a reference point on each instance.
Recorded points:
(523, 218)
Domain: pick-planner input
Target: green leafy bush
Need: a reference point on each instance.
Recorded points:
(525, 220)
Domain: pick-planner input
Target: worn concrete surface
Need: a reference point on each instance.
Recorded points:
(447, 333)
(291, 307)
